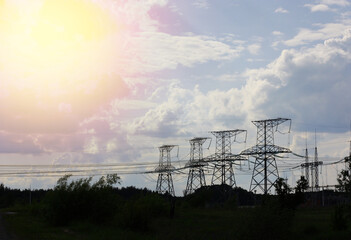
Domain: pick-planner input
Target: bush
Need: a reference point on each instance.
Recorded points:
(81, 200)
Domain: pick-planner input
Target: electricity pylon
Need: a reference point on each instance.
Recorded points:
(265, 172)
(196, 164)
(223, 159)
(313, 167)
(316, 165)
(307, 167)
(164, 169)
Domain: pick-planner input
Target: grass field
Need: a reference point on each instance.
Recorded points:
(198, 223)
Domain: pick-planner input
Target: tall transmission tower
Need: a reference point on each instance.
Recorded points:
(265, 172)
(306, 166)
(164, 169)
(196, 164)
(316, 165)
(223, 158)
(313, 167)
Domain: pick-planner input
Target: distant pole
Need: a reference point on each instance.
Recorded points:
(316, 173)
(307, 174)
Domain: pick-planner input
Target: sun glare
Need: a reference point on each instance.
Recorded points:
(57, 61)
(52, 43)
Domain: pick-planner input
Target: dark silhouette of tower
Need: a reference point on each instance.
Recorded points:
(313, 167)
(196, 164)
(316, 165)
(223, 159)
(164, 169)
(307, 167)
(265, 172)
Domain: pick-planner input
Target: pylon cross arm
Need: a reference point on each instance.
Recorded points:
(269, 149)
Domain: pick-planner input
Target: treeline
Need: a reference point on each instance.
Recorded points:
(101, 202)
(82, 200)
(141, 210)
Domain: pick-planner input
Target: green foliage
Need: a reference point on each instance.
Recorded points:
(344, 178)
(283, 190)
(301, 185)
(219, 196)
(281, 187)
(80, 200)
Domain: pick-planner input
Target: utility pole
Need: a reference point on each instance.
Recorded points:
(307, 165)
(306, 169)
(164, 169)
(196, 164)
(316, 164)
(265, 172)
(223, 159)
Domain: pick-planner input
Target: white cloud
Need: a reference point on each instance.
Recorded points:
(277, 33)
(325, 31)
(132, 104)
(159, 51)
(308, 85)
(254, 49)
(336, 2)
(318, 7)
(281, 10)
(230, 77)
(201, 4)
(323, 5)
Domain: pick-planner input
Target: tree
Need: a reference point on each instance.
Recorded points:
(281, 187)
(283, 190)
(80, 199)
(344, 178)
(301, 185)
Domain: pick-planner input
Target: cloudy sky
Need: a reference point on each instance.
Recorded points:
(108, 81)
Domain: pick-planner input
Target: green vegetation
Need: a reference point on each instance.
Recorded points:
(344, 178)
(80, 209)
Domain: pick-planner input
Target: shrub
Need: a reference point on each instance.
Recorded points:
(81, 200)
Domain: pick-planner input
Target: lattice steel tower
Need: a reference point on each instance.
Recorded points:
(223, 158)
(164, 169)
(196, 164)
(316, 165)
(314, 168)
(265, 172)
(307, 167)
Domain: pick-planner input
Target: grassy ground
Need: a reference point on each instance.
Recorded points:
(317, 223)
(240, 223)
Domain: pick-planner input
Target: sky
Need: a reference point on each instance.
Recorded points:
(109, 81)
